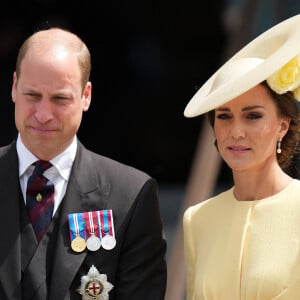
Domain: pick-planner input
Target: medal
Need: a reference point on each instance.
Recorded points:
(108, 240)
(93, 242)
(77, 232)
(94, 286)
(91, 230)
(78, 244)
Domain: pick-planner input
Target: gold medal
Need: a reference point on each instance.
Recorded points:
(78, 244)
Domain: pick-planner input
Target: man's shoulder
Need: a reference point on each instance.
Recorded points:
(115, 169)
(7, 150)
(121, 181)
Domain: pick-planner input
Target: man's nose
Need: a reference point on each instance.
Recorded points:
(43, 111)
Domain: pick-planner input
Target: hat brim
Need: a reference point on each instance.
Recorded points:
(275, 47)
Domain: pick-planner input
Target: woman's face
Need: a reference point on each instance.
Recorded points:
(247, 130)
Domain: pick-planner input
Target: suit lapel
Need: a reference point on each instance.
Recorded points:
(34, 282)
(10, 254)
(85, 191)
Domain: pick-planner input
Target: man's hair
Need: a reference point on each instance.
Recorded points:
(66, 38)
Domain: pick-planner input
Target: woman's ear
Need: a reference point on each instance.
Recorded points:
(284, 126)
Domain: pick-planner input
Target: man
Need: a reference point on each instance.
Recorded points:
(105, 238)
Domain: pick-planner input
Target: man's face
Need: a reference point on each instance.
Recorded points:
(49, 100)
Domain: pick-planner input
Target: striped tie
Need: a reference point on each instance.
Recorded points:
(40, 198)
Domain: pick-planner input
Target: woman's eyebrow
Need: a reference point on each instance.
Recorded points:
(252, 107)
(243, 109)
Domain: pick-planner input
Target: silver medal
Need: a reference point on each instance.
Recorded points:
(93, 243)
(108, 242)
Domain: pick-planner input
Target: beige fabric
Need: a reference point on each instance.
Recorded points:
(244, 249)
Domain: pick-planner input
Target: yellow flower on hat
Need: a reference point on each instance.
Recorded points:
(287, 79)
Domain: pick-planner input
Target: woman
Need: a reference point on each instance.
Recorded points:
(245, 242)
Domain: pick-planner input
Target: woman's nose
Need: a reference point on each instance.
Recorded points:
(237, 130)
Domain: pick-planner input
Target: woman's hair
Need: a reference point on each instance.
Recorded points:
(287, 107)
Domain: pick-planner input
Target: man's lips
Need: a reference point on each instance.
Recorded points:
(43, 130)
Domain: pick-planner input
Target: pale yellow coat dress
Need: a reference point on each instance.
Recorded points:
(244, 250)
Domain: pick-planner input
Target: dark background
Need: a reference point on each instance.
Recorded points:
(148, 59)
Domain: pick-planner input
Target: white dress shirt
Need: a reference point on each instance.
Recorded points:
(58, 174)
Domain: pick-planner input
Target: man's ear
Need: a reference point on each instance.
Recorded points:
(14, 87)
(87, 96)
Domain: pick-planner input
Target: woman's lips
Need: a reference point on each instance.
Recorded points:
(238, 148)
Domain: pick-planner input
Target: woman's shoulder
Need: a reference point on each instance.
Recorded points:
(293, 187)
(209, 204)
(296, 182)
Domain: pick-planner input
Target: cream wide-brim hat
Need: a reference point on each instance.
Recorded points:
(251, 65)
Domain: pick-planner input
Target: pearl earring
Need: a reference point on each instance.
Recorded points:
(279, 146)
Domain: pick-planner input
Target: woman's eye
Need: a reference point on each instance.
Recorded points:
(222, 116)
(254, 115)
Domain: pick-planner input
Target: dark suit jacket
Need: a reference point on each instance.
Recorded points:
(51, 270)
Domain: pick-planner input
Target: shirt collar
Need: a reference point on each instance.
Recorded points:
(62, 162)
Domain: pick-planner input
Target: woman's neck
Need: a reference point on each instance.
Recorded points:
(259, 184)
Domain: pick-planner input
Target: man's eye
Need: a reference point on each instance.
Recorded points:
(31, 96)
(61, 98)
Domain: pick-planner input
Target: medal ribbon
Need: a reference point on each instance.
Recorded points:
(92, 224)
(76, 225)
(106, 222)
(111, 223)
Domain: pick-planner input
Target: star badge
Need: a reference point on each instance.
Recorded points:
(94, 286)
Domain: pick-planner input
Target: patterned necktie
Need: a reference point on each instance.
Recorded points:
(40, 198)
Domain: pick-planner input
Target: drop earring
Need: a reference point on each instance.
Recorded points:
(279, 146)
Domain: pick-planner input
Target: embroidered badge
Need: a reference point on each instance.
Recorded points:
(94, 286)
